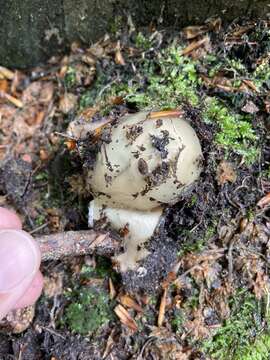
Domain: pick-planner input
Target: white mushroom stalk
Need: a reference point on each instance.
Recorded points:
(151, 159)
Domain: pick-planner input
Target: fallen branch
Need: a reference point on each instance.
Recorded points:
(75, 243)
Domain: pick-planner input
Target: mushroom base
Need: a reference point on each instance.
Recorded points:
(135, 226)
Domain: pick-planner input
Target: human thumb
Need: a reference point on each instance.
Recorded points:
(19, 263)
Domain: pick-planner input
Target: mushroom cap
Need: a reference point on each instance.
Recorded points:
(148, 162)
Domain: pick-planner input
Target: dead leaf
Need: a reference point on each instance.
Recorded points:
(38, 91)
(119, 59)
(109, 345)
(250, 108)
(191, 32)
(6, 73)
(97, 50)
(250, 84)
(18, 103)
(64, 69)
(4, 85)
(165, 113)
(17, 79)
(169, 279)
(243, 224)
(112, 289)
(165, 345)
(225, 173)
(39, 118)
(162, 308)
(267, 105)
(222, 82)
(71, 144)
(87, 114)
(43, 155)
(214, 24)
(116, 100)
(194, 45)
(127, 301)
(261, 284)
(125, 318)
(225, 88)
(197, 327)
(67, 102)
(89, 59)
(240, 30)
(265, 201)
(53, 285)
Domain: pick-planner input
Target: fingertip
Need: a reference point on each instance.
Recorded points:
(19, 258)
(9, 220)
(19, 265)
(32, 293)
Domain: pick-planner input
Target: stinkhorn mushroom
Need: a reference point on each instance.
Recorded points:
(149, 160)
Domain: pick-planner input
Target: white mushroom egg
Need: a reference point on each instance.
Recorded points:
(148, 162)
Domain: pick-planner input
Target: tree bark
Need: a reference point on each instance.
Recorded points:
(33, 30)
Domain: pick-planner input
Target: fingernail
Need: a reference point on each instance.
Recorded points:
(18, 258)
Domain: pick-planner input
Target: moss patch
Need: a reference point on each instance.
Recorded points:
(234, 339)
(235, 133)
(88, 311)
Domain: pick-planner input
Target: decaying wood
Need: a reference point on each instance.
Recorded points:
(74, 243)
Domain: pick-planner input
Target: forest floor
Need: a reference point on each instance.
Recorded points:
(206, 294)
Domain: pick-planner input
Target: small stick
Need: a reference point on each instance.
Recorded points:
(75, 243)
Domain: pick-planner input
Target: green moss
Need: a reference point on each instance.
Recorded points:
(265, 174)
(70, 77)
(257, 350)
(88, 311)
(232, 340)
(116, 24)
(171, 79)
(235, 131)
(193, 247)
(236, 66)
(42, 176)
(89, 307)
(40, 220)
(178, 320)
(210, 232)
(193, 200)
(95, 94)
(102, 269)
(87, 99)
(261, 75)
(142, 41)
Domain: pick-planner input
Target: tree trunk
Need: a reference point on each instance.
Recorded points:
(33, 30)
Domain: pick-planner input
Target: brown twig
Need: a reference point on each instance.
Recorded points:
(74, 243)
